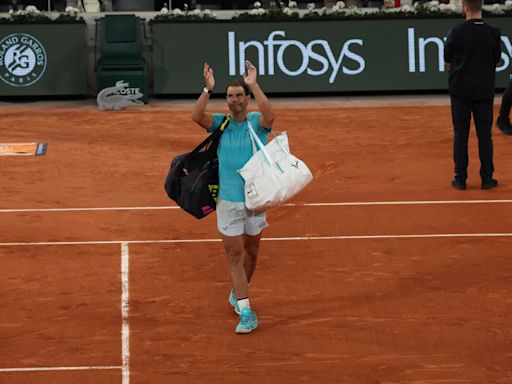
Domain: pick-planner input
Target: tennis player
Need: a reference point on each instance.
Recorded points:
(239, 227)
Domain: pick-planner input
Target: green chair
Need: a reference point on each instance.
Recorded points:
(121, 52)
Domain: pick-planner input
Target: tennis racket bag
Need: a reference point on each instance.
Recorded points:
(193, 178)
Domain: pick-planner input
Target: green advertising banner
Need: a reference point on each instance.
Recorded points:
(43, 59)
(301, 57)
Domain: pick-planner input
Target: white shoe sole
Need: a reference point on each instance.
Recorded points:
(245, 330)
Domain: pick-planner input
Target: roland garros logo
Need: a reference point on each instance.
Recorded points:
(22, 60)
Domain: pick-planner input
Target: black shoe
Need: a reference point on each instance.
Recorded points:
(504, 126)
(459, 184)
(488, 184)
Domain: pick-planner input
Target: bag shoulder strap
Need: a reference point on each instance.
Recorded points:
(225, 122)
(256, 139)
(213, 136)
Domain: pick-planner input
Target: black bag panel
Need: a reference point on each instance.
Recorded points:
(199, 189)
(172, 181)
(193, 178)
(182, 165)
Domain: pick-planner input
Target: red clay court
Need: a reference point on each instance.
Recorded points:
(379, 272)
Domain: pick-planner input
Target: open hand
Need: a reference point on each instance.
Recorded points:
(209, 80)
(250, 73)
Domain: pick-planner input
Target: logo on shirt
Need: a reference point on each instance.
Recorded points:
(22, 60)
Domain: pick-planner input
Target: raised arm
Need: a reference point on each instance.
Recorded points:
(267, 112)
(199, 114)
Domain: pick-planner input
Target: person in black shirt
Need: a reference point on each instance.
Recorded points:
(503, 121)
(472, 52)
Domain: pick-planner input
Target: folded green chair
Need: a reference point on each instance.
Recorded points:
(121, 52)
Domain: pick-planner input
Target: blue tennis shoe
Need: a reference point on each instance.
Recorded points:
(234, 302)
(248, 321)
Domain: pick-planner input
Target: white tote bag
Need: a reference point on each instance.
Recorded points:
(272, 175)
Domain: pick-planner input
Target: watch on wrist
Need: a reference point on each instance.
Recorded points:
(205, 89)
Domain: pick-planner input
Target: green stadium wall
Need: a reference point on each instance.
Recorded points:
(53, 54)
(311, 56)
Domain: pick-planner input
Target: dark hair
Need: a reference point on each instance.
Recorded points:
(473, 5)
(239, 83)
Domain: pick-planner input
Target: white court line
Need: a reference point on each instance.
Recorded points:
(294, 238)
(37, 369)
(88, 209)
(125, 279)
(419, 202)
(332, 204)
(125, 330)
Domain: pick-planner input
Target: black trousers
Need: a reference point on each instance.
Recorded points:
(483, 118)
(506, 103)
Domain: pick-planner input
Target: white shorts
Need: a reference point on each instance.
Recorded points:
(234, 219)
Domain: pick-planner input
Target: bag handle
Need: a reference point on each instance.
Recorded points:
(214, 136)
(254, 149)
(256, 139)
(225, 122)
(251, 131)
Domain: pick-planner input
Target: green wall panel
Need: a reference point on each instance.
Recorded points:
(330, 56)
(43, 59)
